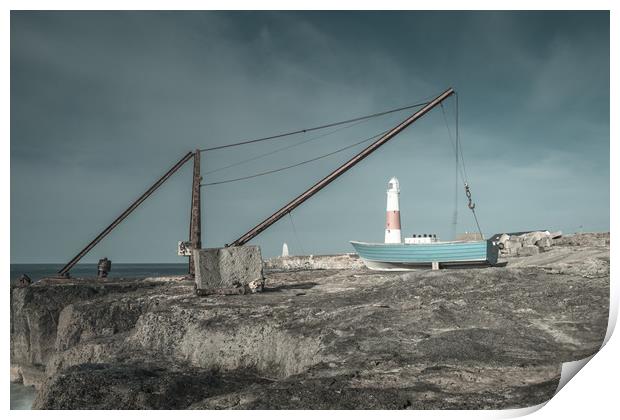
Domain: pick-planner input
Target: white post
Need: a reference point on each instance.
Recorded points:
(392, 220)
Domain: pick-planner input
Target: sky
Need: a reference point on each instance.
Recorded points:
(103, 103)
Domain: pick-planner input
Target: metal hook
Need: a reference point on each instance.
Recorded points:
(468, 194)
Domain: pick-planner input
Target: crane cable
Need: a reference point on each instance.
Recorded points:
(301, 247)
(320, 127)
(289, 146)
(295, 164)
(456, 174)
(459, 153)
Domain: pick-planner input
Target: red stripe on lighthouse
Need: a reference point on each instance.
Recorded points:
(392, 220)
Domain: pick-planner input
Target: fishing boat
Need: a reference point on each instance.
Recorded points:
(408, 256)
(425, 250)
(422, 250)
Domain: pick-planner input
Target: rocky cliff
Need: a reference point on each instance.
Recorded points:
(347, 338)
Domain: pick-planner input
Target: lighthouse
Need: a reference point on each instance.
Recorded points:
(392, 220)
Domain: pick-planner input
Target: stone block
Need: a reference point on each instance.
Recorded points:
(512, 243)
(527, 250)
(544, 243)
(532, 237)
(224, 269)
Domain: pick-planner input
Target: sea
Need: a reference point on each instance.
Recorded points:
(23, 396)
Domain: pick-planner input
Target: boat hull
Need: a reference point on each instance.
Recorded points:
(403, 257)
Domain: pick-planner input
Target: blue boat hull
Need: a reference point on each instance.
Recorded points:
(400, 257)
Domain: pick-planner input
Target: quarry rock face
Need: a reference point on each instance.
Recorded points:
(235, 267)
(35, 314)
(338, 338)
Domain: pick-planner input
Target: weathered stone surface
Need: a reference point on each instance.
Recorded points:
(222, 268)
(544, 243)
(599, 239)
(532, 237)
(412, 387)
(16, 375)
(27, 375)
(32, 376)
(587, 262)
(314, 262)
(81, 321)
(512, 243)
(36, 309)
(527, 250)
(484, 338)
(136, 386)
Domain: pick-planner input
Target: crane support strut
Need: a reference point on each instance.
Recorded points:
(64, 272)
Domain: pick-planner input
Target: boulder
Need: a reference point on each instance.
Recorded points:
(503, 238)
(527, 250)
(544, 243)
(224, 269)
(532, 237)
(512, 243)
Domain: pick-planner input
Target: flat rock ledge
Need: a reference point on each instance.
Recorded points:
(317, 339)
(314, 262)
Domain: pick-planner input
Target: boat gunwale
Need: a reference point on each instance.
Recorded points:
(426, 243)
(477, 251)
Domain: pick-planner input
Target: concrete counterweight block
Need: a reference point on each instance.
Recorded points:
(232, 270)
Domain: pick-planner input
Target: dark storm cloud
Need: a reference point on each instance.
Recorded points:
(103, 102)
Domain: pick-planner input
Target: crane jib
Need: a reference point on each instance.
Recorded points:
(252, 233)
